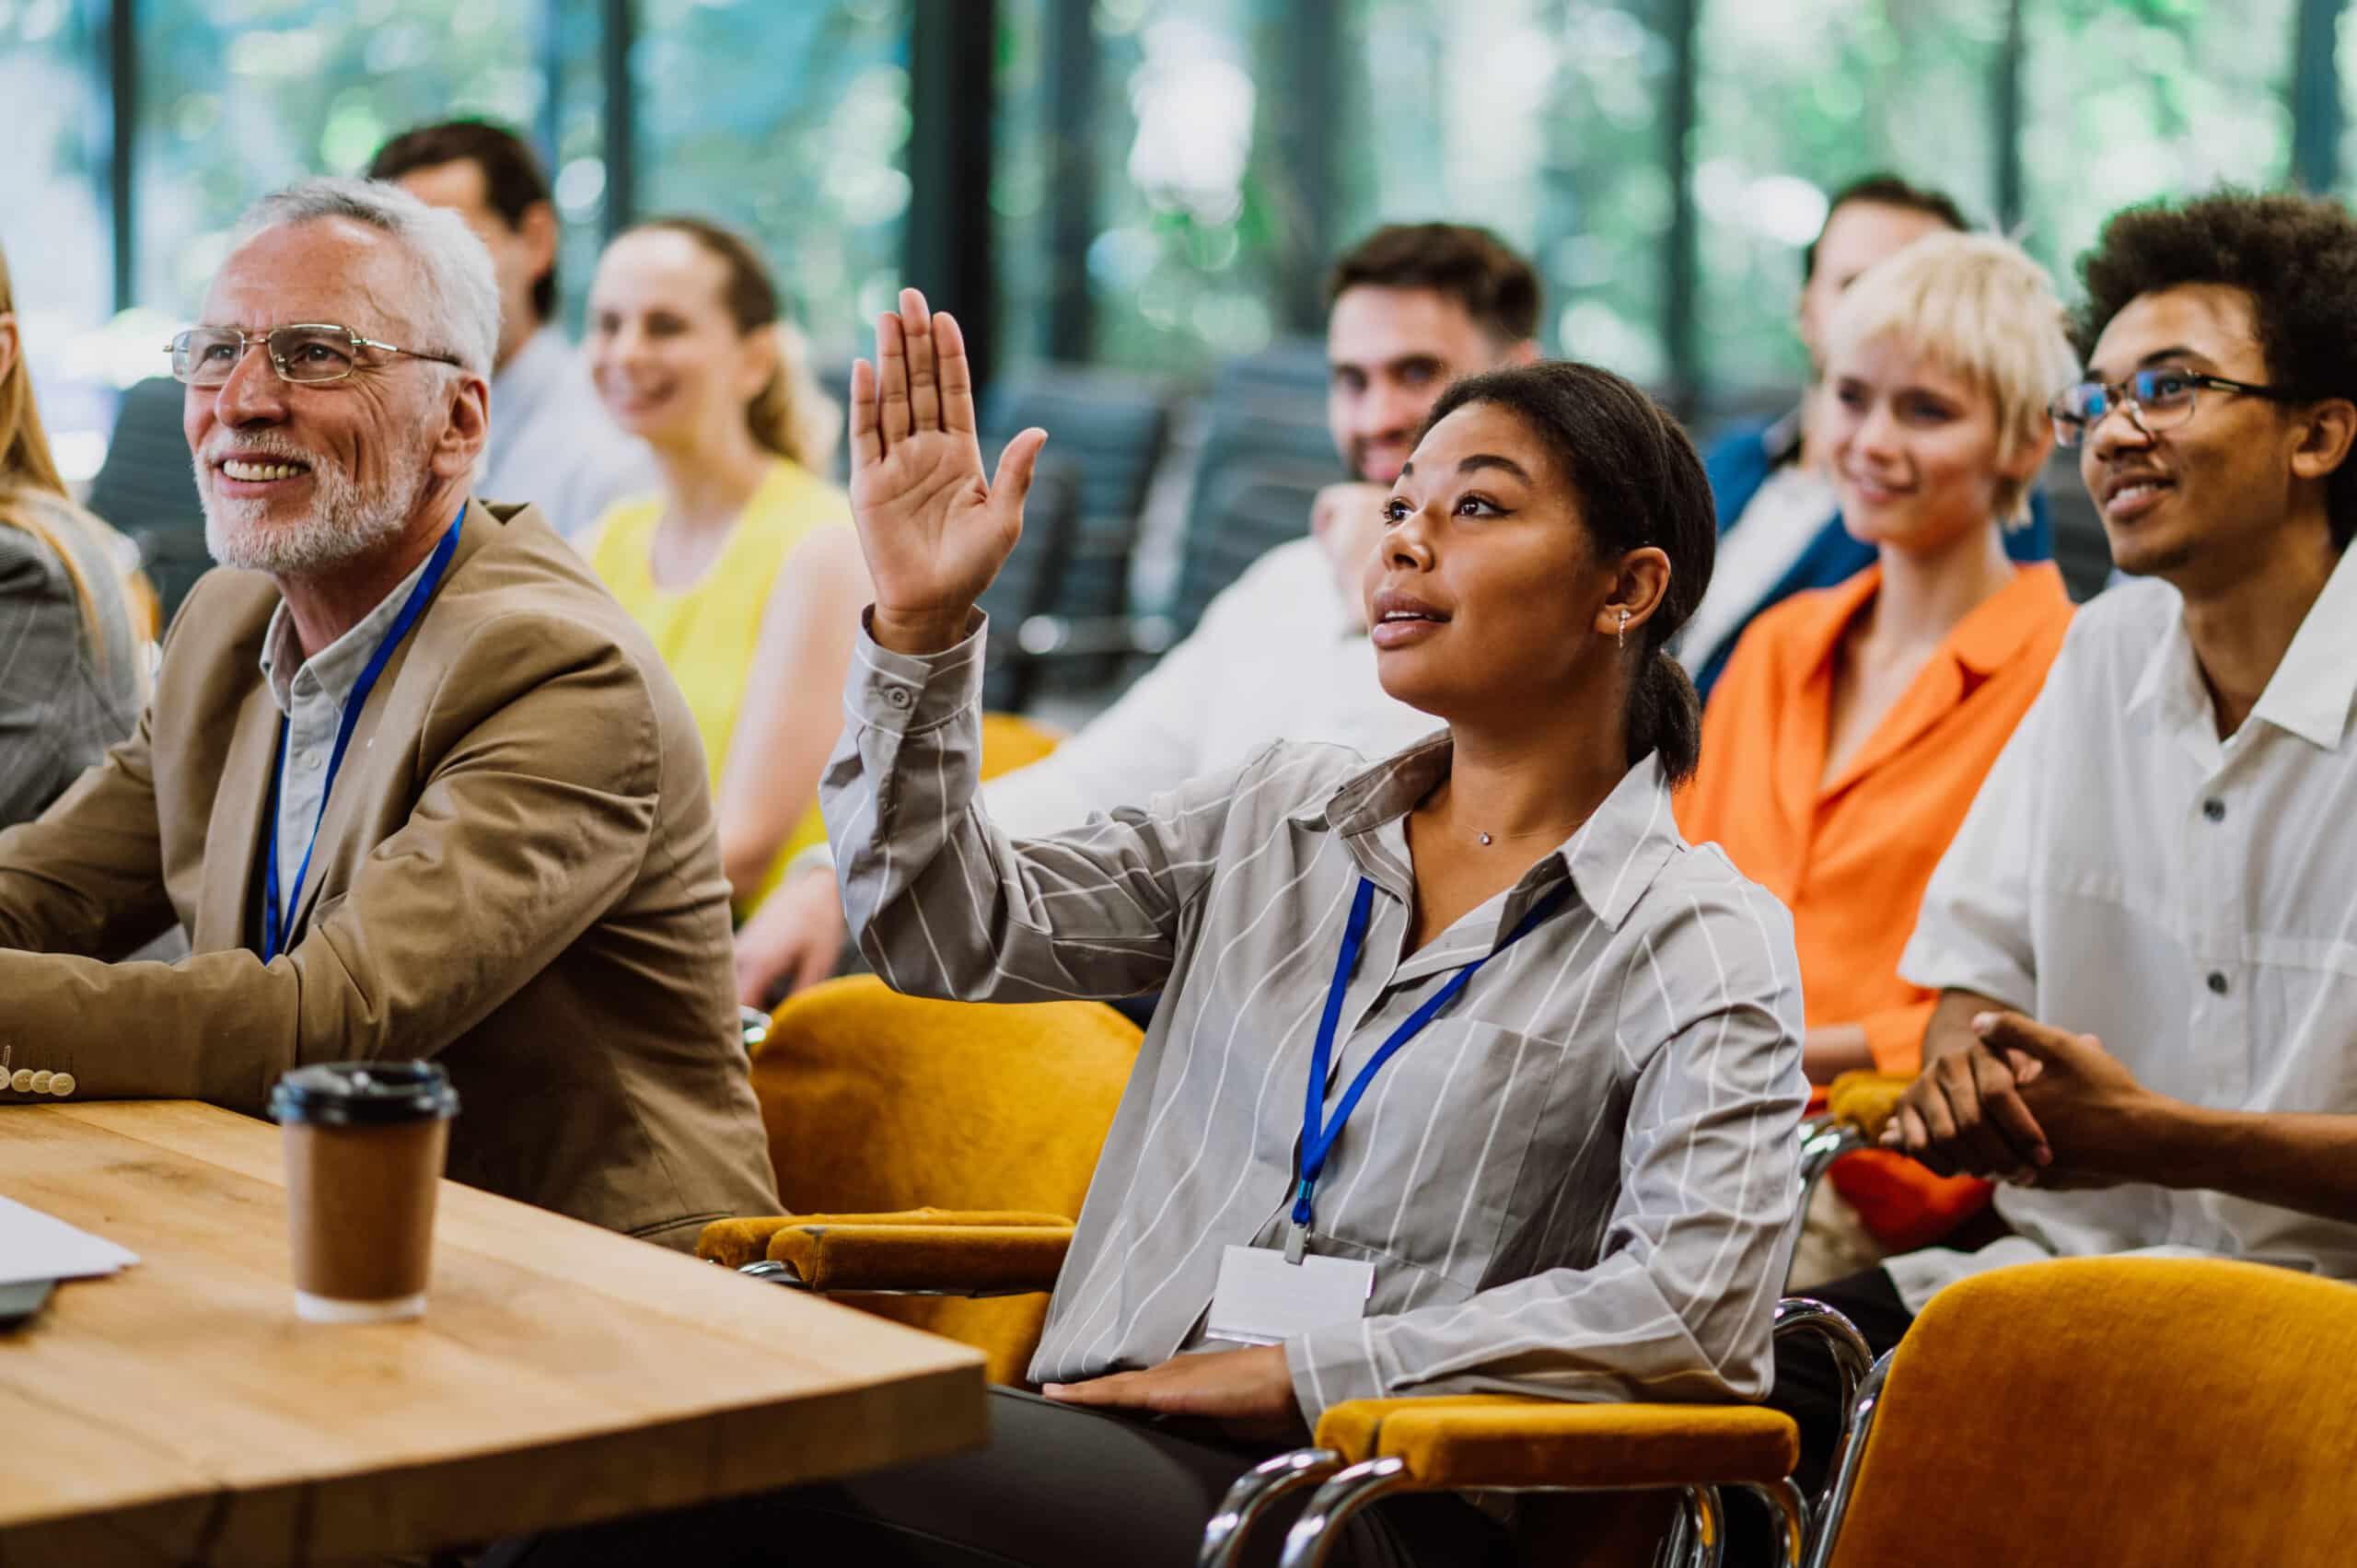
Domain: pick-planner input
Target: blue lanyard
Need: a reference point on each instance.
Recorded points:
(1316, 1139)
(277, 913)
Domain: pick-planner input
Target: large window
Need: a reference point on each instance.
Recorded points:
(1539, 118)
(240, 97)
(1194, 206)
(1794, 98)
(789, 121)
(53, 215)
(2131, 99)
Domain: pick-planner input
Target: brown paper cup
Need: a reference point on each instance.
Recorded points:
(365, 1146)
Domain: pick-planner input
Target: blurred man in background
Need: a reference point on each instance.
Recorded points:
(1282, 654)
(551, 442)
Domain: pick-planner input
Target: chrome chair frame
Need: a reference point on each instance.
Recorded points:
(771, 1271)
(1857, 1425)
(1697, 1538)
(1823, 1140)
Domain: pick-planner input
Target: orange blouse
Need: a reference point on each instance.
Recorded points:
(1852, 855)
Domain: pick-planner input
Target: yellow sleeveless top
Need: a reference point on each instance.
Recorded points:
(705, 633)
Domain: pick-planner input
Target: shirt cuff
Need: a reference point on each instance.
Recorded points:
(1333, 1365)
(910, 693)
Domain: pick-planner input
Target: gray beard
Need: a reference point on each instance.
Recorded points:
(345, 526)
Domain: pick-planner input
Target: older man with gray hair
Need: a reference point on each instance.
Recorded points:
(412, 780)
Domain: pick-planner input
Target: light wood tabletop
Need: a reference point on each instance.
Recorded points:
(178, 1413)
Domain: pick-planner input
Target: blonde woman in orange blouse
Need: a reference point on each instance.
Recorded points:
(1855, 724)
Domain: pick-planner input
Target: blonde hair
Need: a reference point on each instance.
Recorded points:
(1981, 307)
(791, 415)
(27, 471)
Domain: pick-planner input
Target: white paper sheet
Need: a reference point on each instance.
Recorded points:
(34, 1246)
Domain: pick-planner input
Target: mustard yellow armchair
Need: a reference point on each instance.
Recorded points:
(1366, 1450)
(2164, 1412)
(933, 1154)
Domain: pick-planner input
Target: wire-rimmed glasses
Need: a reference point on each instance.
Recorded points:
(305, 353)
(2155, 399)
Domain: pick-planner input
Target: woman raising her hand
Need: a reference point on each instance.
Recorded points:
(1468, 1072)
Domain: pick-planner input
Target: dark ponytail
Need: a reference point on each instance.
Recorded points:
(1638, 481)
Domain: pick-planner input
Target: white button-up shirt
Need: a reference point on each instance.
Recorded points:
(551, 443)
(2192, 901)
(1276, 657)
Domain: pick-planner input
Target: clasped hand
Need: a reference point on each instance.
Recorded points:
(2028, 1104)
(934, 533)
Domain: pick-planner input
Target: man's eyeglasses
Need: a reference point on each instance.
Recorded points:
(2155, 399)
(307, 353)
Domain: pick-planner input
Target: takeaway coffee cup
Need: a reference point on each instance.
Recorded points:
(365, 1142)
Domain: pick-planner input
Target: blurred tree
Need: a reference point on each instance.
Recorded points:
(240, 97)
(789, 121)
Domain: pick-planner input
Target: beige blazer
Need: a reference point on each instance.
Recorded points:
(517, 875)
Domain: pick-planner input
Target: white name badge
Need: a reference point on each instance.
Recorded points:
(1262, 1299)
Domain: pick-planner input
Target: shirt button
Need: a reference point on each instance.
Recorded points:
(897, 695)
(2217, 983)
(61, 1083)
(23, 1081)
(41, 1082)
(2214, 809)
(312, 762)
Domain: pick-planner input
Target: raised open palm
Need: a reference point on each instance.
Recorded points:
(935, 532)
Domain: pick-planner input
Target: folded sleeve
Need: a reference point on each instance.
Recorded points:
(1680, 1304)
(944, 902)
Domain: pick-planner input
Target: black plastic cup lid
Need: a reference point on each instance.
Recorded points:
(363, 1094)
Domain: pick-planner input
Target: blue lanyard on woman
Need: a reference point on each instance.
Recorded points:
(277, 915)
(1317, 1134)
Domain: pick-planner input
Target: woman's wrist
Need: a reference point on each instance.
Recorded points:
(919, 634)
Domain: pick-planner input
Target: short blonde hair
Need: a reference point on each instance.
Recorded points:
(1983, 308)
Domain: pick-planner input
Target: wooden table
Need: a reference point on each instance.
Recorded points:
(178, 1413)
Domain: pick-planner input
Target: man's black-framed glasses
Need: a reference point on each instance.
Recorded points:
(2156, 400)
(306, 352)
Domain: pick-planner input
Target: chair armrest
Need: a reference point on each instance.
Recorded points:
(1505, 1440)
(936, 1251)
(1864, 1101)
(1485, 1441)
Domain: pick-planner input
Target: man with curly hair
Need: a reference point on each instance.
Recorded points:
(2143, 935)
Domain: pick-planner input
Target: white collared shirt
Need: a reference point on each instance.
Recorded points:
(1276, 657)
(551, 443)
(311, 693)
(2192, 901)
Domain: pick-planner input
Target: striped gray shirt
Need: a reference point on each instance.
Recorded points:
(1572, 1184)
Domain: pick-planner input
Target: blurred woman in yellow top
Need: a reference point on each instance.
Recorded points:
(743, 567)
(72, 644)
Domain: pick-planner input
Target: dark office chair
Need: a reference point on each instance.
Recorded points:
(147, 488)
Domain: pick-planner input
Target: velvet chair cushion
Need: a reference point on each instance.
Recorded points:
(2165, 1412)
(1490, 1441)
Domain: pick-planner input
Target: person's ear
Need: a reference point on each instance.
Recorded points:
(457, 451)
(2325, 431)
(2030, 451)
(9, 344)
(539, 231)
(764, 361)
(1523, 353)
(1639, 586)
